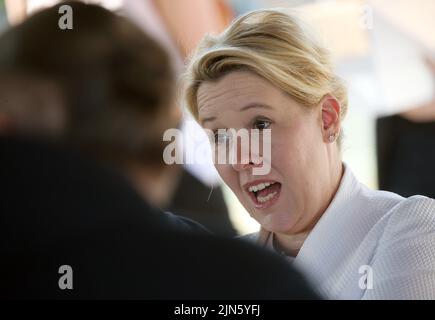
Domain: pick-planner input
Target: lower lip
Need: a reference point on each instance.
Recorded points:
(265, 205)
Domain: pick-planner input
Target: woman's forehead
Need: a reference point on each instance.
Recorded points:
(233, 91)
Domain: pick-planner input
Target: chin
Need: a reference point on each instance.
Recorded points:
(277, 223)
(279, 229)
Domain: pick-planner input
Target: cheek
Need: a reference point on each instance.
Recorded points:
(229, 176)
(295, 143)
(285, 147)
(292, 155)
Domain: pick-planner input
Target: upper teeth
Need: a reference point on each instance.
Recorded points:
(260, 186)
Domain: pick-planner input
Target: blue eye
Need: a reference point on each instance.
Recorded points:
(262, 124)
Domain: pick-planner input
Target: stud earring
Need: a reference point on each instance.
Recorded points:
(331, 138)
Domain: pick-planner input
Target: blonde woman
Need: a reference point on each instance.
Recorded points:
(267, 72)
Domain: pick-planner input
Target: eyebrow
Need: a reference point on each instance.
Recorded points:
(256, 106)
(247, 107)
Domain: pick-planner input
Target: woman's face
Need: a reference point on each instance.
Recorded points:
(297, 186)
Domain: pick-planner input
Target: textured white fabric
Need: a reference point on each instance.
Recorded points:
(394, 236)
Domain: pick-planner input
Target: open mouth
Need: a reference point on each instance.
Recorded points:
(263, 193)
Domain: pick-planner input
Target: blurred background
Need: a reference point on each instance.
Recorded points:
(383, 49)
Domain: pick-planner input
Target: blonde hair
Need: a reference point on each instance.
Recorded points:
(274, 45)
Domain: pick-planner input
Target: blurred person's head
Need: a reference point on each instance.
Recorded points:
(266, 71)
(31, 107)
(117, 82)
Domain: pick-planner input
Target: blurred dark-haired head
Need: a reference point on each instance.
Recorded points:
(29, 106)
(116, 82)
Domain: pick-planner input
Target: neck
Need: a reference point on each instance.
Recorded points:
(289, 244)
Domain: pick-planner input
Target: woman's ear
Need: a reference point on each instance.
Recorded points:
(331, 110)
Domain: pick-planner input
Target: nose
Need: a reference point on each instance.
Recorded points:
(244, 166)
(244, 159)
